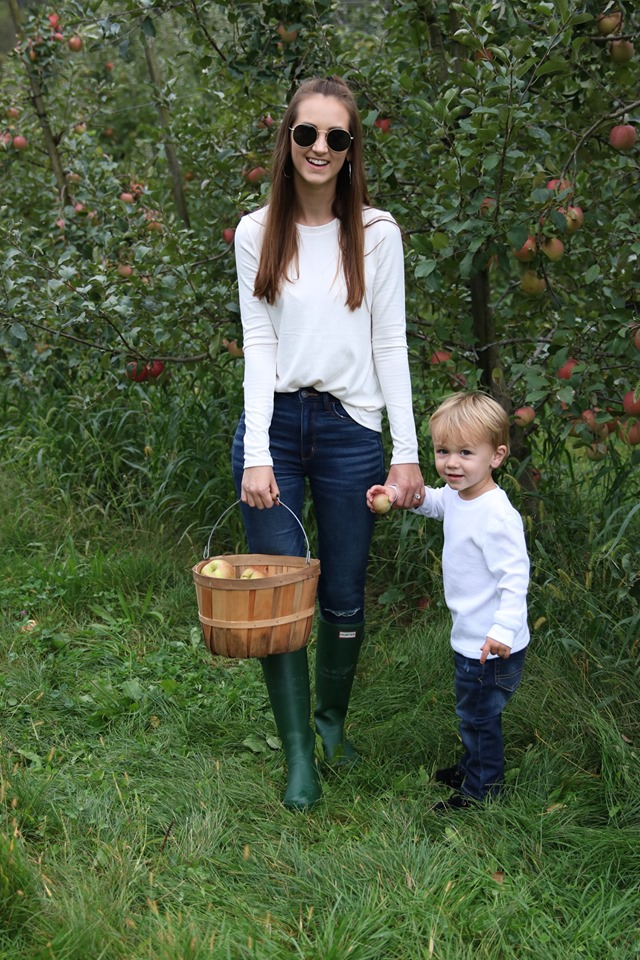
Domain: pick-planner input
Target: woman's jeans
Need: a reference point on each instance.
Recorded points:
(313, 438)
(482, 692)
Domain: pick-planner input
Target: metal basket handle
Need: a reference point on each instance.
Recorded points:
(235, 504)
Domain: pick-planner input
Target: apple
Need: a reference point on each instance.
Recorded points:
(440, 356)
(287, 35)
(154, 369)
(20, 142)
(80, 127)
(228, 234)
(219, 568)
(252, 574)
(60, 223)
(623, 136)
(124, 269)
(609, 22)
(487, 205)
(108, 132)
(553, 248)
(559, 185)
(630, 432)
(108, 65)
(574, 218)
(631, 403)
(621, 51)
(266, 121)
(636, 338)
(256, 174)
(598, 427)
(596, 451)
(483, 54)
(75, 43)
(383, 124)
(58, 36)
(127, 198)
(136, 370)
(54, 20)
(532, 284)
(233, 348)
(12, 112)
(381, 503)
(78, 207)
(527, 251)
(523, 416)
(566, 370)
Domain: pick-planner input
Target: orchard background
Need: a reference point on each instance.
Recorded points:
(133, 135)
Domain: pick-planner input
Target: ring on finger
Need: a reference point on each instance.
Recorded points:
(416, 496)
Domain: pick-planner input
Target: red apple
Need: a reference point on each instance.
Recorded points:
(553, 249)
(383, 124)
(154, 369)
(636, 338)
(60, 224)
(78, 207)
(381, 503)
(75, 43)
(440, 356)
(108, 65)
(266, 121)
(596, 426)
(12, 112)
(527, 251)
(228, 234)
(124, 269)
(523, 416)
(532, 284)
(559, 185)
(136, 370)
(574, 218)
(20, 142)
(609, 22)
(621, 51)
(54, 20)
(287, 34)
(623, 136)
(487, 206)
(631, 403)
(566, 370)
(58, 36)
(256, 174)
(630, 432)
(219, 568)
(127, 198)
(233, 348)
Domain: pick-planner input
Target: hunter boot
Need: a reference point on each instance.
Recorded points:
(287, 678)
(337, 650)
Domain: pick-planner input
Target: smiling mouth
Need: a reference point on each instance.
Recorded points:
(317, 163)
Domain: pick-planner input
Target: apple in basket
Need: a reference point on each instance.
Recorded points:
(220, 568)
(251, 574)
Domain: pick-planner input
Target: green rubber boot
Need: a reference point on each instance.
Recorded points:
(337, 651)
(287, 678)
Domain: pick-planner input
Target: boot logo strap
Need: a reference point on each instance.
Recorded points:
(346, 634)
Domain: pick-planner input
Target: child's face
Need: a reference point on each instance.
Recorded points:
(466, 464)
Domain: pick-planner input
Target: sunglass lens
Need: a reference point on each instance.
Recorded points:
(338, 140)
(305, 134)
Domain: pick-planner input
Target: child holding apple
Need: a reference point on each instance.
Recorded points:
(321, 287)
(485, 569)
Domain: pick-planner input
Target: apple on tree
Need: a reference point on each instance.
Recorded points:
(553, 249)
(622, 51)
(75, 43)
(609, 22)
(383, 124)
(219, 568)
(532, 284)
(154, 369)
(228, 234)
(124, 269)
(527, 251)
(136, 370)
(574, 218)
(631, 403)
(256, 174)
(566, 370)
(20, 142)
(623, 136)
(440, 356)
(523, 416)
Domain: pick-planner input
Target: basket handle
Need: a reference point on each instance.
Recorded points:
(235, 504)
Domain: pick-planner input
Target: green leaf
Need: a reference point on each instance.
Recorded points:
(592, 273)
(148, 27)
(18, 331)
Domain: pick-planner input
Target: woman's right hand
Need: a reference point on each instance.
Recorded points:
(259, 487)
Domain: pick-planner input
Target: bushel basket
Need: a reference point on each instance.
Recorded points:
(257, 617)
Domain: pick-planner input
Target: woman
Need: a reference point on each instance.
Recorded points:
(321, 285)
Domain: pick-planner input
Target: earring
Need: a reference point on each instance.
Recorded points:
(286, 175)
(349, 165)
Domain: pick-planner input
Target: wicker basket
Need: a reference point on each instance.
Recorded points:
(257, 617)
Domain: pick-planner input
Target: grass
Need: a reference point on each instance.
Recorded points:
(140, 779)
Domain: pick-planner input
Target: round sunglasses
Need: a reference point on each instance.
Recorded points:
(306, 134)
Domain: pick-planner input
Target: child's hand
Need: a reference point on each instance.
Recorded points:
(380, 499)
(492, 646)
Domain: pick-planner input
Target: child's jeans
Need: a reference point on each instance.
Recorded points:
(482, 692)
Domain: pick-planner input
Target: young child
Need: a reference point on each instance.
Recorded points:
(486, 574)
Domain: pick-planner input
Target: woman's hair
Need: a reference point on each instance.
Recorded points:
(470, 416)
(280, 242)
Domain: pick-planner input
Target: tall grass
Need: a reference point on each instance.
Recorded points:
(140, 779)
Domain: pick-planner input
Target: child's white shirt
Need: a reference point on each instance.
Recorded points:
(485, 568)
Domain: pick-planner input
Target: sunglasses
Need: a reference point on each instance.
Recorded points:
(306, 134)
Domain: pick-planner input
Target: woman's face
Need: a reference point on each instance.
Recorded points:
(318, 165)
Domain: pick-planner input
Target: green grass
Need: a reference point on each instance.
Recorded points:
(140, 779)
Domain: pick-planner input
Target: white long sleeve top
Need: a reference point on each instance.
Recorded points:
(485, 568)
(310, 338)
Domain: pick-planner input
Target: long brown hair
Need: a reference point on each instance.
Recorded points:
(280, 242)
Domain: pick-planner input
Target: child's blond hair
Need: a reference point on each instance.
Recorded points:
(471, 416)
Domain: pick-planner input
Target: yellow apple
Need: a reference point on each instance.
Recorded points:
(381, 503)
(252, 574)
(219, 568)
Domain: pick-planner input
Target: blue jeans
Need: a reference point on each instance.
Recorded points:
(482, 692)
(313, 438)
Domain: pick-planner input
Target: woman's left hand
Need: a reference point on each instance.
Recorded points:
(407, 479)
